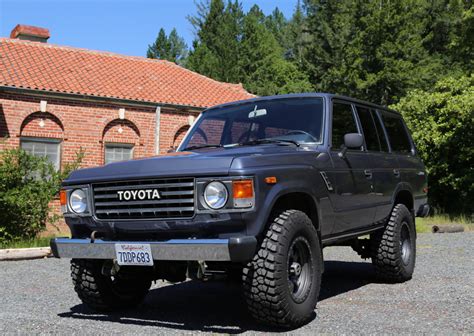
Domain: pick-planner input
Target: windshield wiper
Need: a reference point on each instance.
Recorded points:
(202, 146)
(266, 141)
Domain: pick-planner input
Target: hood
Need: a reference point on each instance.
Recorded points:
(202, 162)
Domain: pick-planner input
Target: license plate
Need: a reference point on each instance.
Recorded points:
(134, 254)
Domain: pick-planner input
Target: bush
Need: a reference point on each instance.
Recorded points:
(27, 185)
(442, 125)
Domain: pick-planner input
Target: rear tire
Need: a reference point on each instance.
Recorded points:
(282, 282)
(393, 249)
(105, 293)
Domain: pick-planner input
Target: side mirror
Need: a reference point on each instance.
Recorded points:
(351, 140)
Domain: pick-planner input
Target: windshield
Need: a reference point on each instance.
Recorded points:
(287, 120)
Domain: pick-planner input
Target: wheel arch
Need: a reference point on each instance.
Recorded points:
(298, 200)
(403, 195)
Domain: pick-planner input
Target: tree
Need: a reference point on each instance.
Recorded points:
(371, 50)
(296, 36)
(278, 25)
(265, 70)
(216, 47)
(171, 48)
(442, 125)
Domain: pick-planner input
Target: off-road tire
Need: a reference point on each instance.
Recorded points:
(388, 247)
(103, 293)
(266, 279)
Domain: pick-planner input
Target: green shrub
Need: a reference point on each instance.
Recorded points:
(27, 185)
(442, 125)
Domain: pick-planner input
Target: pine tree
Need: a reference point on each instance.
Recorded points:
(171, 48)
(296, 36)
(278, 25)
(370, 50)
(265, 70)
(216, 47)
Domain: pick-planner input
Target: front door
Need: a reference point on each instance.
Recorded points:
(351, 175)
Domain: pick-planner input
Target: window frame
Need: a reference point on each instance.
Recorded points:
(119, 145)
(356, 120)
(325, 105)
(412, 151)
(361, 128)
(55, 141)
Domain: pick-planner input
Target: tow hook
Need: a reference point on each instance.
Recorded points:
(93, 233)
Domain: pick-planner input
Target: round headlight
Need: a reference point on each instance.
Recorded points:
(216, 195)
(78, 201)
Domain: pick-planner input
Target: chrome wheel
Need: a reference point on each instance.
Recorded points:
(405, 243)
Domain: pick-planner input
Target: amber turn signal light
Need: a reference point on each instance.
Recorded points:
(62, 197)
(242, 189)
(271, 180)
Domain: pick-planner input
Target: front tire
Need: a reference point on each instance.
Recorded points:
(106, 293)
(393, 249)
(282, 282)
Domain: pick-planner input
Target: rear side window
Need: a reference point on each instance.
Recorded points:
(368, 127)
(397, 134)
(380, 132)
(342, 123)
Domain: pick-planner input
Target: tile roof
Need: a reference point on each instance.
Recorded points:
(48, 67)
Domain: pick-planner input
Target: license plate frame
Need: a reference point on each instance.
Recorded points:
(133, 254)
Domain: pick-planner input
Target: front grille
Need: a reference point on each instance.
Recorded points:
(176, 199)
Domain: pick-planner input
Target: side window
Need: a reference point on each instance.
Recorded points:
(368, 127)
(342, 123)
(118, 152)
(380, 132)
(397, 134)
(47, 148)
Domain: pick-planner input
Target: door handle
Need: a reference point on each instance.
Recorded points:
(396, 172)
(368, 173)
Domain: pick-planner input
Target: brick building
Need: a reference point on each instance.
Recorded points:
(55, 100)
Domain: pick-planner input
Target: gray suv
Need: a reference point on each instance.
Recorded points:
(255, 191)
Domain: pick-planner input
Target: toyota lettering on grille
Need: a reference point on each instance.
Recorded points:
(142, 194)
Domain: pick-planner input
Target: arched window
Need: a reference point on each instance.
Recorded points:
(41, 134)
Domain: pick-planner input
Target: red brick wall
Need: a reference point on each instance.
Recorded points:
(88, 126)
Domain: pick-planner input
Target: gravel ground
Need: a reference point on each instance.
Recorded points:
(36, 297)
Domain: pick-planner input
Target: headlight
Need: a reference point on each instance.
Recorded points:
(78, 201)
(216, 195)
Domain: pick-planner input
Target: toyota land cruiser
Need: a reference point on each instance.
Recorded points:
(256, 189)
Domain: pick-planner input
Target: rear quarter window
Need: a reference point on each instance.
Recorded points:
(397, 133)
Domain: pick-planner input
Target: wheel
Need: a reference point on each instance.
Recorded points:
(282, 282)
(105, 293)
(393, 249)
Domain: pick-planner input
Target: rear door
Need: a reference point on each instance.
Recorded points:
(385, 170)
(410, 168)
(352, 186)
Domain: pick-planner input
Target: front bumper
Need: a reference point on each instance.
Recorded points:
(238, 249)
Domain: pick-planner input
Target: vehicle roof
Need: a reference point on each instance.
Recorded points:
(302, 95)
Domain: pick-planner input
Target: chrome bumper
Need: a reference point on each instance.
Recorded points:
(237, 249)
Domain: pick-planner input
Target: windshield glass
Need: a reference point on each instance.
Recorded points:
(291, 119)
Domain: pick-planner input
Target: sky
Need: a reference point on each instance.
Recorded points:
(122, 26)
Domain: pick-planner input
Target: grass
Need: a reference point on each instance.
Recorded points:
(36, 242)
(425, 224)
